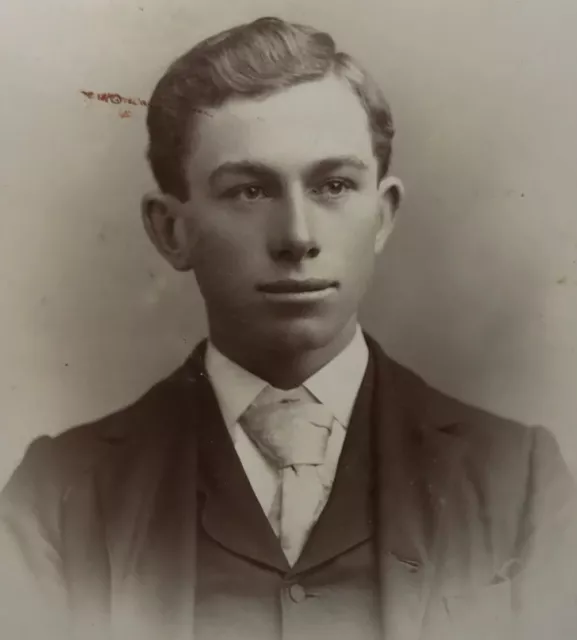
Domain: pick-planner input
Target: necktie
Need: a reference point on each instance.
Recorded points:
(292, 431)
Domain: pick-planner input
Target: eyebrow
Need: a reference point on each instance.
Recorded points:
(331, 164)
(246, 167)
(259, 170)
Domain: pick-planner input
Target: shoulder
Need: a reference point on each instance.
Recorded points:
(512, 475)
(498, 445)
(489, 441)
(439, 410)
(483, 430)
(101, 464)
(51, 463)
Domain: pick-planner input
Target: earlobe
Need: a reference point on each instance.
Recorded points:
(163, 220)
(384, 230)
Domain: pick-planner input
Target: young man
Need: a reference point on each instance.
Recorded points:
(289, 480)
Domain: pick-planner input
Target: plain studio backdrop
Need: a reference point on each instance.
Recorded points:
(477, 290)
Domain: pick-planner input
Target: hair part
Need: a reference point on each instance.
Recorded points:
(251, 60)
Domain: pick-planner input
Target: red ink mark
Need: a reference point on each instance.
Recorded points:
(125, 114)
(114, 98)
(110, 97)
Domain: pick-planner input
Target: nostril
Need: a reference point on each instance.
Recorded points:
(286, 254)
(297, 253)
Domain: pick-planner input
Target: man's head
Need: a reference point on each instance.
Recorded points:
(271, 150)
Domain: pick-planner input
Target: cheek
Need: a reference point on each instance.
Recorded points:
(358, 253)
(359, 241)
(224, 258)
(217, 242)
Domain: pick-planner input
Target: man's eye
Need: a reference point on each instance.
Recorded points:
(247, 192)
(334, 187)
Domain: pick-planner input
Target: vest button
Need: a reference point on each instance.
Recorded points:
(297, 593)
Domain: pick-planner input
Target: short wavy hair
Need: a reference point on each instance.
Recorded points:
(251, 60)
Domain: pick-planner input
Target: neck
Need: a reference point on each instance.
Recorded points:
(283, 367)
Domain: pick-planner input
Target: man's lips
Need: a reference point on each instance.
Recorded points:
(297, 286)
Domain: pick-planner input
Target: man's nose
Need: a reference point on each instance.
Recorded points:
(293, 237)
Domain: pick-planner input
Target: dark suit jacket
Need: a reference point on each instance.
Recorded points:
(475, 518)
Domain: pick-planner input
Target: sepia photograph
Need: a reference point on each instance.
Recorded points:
(290, 320)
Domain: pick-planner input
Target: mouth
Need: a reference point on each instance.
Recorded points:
(309, 290)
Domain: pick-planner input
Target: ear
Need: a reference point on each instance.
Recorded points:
(165, 224)
(391, 194)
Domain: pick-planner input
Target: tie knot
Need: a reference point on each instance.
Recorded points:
(288, 427)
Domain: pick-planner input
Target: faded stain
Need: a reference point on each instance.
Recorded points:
(125, 114)
(114, 98)
(562, 280)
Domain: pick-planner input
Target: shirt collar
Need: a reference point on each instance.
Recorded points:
(335, 385)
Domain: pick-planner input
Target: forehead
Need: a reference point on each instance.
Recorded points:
(286, 130)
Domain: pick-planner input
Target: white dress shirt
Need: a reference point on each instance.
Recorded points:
(335, 385)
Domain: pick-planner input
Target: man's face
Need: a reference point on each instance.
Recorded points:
(285, 215)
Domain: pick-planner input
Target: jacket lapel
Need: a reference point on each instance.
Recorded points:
(416, 465)
(229, 511)
(348, 518)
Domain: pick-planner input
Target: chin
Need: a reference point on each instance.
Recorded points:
(303, 334)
